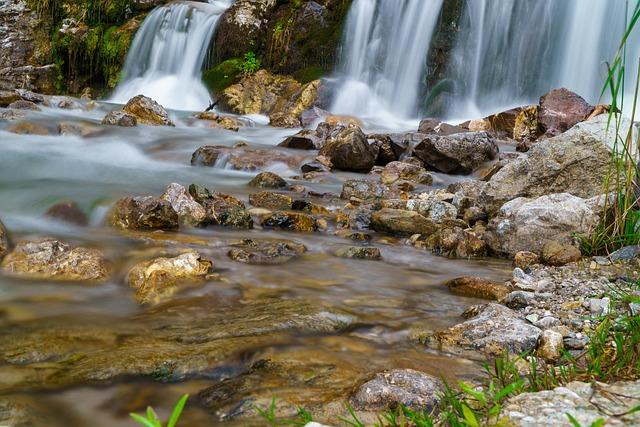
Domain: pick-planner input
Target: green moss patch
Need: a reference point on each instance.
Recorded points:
(222, 75)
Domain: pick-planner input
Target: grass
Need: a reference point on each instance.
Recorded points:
(151, 419)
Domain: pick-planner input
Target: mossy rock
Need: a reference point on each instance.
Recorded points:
(222, 75)
(309, 74)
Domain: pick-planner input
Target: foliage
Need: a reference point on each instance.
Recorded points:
(222, 75)
(152, 420)
(251, 63)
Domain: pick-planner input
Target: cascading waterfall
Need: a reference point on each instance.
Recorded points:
(384, 53)
(509, 52)
(167, 54)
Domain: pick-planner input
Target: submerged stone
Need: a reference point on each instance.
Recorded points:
(143, 213)
(261, 252)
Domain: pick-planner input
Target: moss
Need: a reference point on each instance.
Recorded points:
(113, 51)
(309, 74)
(223, 75)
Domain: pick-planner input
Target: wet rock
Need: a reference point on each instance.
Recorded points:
(453, 241)
(396, 171)
(28, 128)
(575, 162)
(557, 254)
(147, 111)
(402, 222)
(477, 288)
(307, 206)
(519, 299)
(432, 208)
(68, 212)
(189, 211)
(527, 224)
(269, 252)
(288, 112)
(435, 126)
(458, 154)
(30, 96)
(399, 387)
(587, 403)
(525, 259)
(303, 140)
(69, 104)
(159, 279)
(4, 241)
(294, 221)
(55, 260)
(222, 122)
(492, 330)
(222, 209)
(23, 105)
(526, 126)
(313, 167)
(272, 201)
(143, 213)
(551, 346)
(268, 180)
(248, 159)
(391, 147)
(349, 150)
(120, 118)
(360, 252)
(78, 129)
(362, 189)
(562, 109)
(8, 97)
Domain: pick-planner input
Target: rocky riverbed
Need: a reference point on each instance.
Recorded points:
(146, 253)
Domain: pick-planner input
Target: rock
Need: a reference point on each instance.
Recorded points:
(551, 346)
(143, 213)
(68, 212)
(432, 208)
(28, 128)
(434, 126)
(267, 180)
(401, 222)
(8, 97)
(27, 95)
(222, 209)
(270, 200)
(360, 252)
(54, 260)
(269, 252)
(78, 129)
(455, 242)
(575, 162)
(222, 122)
(303, 140)
(525, 259)
(587, 403)
(189, 211)
(288, 114)
(491, 331)
(4, 241)
(625, 254)
(398, 387)
(147, 111)
(599, 306)
(519, 299)
(242, 158)
(556, 254)
(526, 126)
(362, 189)
(23, 105)
(560, 110)
(69, 104)
(396, 171)
(460, 153)
(159, 279)
(120, 118)
(476, 287)
(349, 150)
(527, 224)
(294, 221)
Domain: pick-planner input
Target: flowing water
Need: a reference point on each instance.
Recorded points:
(167, 53)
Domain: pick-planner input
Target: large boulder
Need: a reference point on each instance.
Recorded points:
(143, 213)
(402, 222)
(147, 111)
(574, 162)
(55, 260)
(159, 279)
(560, 110)
(460, 153)
(348, 149)
(492, 330)
(259, 93)
(528, 224)
(4, 240)
(288, 111)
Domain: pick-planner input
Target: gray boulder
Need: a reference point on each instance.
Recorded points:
(460, 153)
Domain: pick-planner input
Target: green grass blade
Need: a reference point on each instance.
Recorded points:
(177, 411)
(142, 420)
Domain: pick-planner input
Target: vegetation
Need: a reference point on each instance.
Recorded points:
(152, 420)
(251, 63)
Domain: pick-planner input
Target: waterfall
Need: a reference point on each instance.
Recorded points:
(167, 53)
(384, 54)
(510, 52)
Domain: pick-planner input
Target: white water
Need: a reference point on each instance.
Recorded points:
(166, 57)
(384, 53)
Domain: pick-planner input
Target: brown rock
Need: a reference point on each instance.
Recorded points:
(551, 346)
(360, 252)
(259, 252)
(402, 222)
(222, 209)
(28, 128)
(402, 171)
(267, 180)
(294, 221)
(8, 97)
(271, 200)
(562, 109)
(526, 126)
(147, 111)
(478, 288)
(222, 122)
(189, 211)
(24, 105)
(557, 254)
(348, 149)
(460, 153)
(68, 212)
(120, 118)
(4, 241)
(143, 213)
(524, 259)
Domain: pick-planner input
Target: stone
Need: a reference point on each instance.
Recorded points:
(120, 118)
(525, 259)
(160, 278)
(574, 162)
(556, 254)
(303, 140)
(28, 128)
(55, 260)
(30, 96)
(477, 287)
(396, 171)
(562, 109)
(294, 221)
(453, 241)
(23, 105)
(551, 346)
(625, 254)
(402, 222)
(242, 158)
(599, 306)
(288, 112)
(223, 122)
(526, 126)
(399, 387)
(349, 150)
(147, 111)
(435, 126)
(4, 241)
(271, 200)
(267, 180)
(362, 189)
(434, 209)
(492, 330)
(360, 252)
(266, 252)
(8, 97)
(460, 153)
(519, 299)
(68, 212)
(222, 209)
(189, 211)
(527, 224)
(143, 213)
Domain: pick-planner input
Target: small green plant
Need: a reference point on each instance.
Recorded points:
(251, 63)
(152, 418)
(575, 423)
